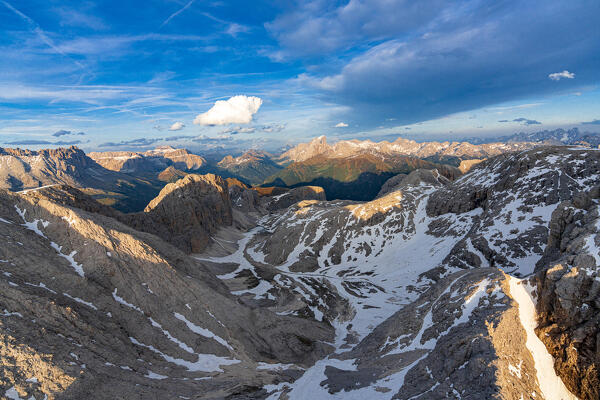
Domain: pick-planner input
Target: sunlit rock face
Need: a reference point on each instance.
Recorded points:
(149, 161)
(401, 146)
(435, 289)
(187, 212)
(90, 305)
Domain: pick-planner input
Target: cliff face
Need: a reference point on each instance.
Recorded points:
(187, 212)
(568, 286)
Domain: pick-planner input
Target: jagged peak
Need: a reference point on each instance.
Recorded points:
(203, 182)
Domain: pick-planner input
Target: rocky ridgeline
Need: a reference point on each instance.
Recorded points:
(401, 146)
(21, 169)
(253, 166)
(26, 169)
(417, 294)
(151, 160)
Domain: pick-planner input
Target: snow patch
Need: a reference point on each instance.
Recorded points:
(121, 300)
(205, 362)
(201, 331)
(77, 299)
(551, 386)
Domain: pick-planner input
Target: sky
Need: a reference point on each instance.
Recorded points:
(114, 75)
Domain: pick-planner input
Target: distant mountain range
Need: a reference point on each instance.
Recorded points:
(149, 163)
(556, 137)
(25, 169)
(400, 147)
(357, 177)
(347, 169)
(356, 170)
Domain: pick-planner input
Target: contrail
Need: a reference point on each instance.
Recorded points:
(41, 34)
(176, 13)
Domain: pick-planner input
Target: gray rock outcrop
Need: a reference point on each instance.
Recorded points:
(187, 212)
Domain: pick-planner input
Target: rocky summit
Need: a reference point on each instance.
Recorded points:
(479, 286)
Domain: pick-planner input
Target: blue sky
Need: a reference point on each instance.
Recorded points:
(130, 74)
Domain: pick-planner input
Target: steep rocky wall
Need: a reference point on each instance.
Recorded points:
(568, 286)
(187, 212)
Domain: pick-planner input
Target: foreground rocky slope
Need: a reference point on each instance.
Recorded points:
(435, 289)
(90, 305)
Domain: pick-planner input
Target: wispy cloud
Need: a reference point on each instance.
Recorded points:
(76, 18)
(176, 13)
(273, 128)
(515, 107)
(179, 137)
(28, 142)
(238, 129)
(141, 142)
(233, 28)
(70, 142)
(593, 122)
(41, 33)
(37, 142)
(341, 125)
(104, 45)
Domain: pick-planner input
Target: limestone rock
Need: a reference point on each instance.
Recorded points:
(568, 286)
(187, 212)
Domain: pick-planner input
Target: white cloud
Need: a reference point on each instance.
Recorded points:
(341, 125)
(177, 126)
(236, 110)
(557, 76)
